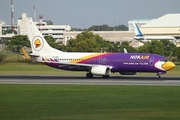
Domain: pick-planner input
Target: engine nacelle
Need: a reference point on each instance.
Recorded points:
(101, 70)
(127, 73)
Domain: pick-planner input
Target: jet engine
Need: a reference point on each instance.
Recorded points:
(127, 73)
(101, 70)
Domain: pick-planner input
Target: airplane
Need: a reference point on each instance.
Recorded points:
(140, 36)
(95, 64)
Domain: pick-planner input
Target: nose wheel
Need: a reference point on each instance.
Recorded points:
(158, 76)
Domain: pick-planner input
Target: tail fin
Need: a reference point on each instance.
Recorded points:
(125, 51)
(38, 44)
(137, 31)
(26, 56)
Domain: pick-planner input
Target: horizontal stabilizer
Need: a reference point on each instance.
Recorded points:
(33, 55)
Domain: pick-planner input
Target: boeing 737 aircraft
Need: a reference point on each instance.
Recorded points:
(140, 36)
(102, 64)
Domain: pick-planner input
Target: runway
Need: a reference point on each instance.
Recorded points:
(81, 80)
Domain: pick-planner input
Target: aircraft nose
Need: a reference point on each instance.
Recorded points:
(168, 65)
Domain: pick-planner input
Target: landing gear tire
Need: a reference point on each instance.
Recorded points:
(89, 75)
(105, 76)
(158, 76)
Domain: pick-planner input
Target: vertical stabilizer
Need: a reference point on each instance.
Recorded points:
(137, 31)
(125, 51)
(38, 43)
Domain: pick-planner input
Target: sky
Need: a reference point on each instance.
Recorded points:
(86, 13)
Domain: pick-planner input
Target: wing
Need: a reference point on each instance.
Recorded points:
(73, 66)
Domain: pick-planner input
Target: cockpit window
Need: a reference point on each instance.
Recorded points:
(163, 60)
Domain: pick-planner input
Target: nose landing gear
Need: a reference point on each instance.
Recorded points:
(159, 74)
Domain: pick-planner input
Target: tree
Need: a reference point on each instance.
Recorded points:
(176, 54)
(52, 42)
(16, 42)
(4, 32)
(87, 42)
(168, 48)
(121, 28)
(105, 27)
(144, 48)
(162, 47)
(154, 47)
(120, 48)
(76, 29)
(129, 49)
(62, 47)
(49, 22)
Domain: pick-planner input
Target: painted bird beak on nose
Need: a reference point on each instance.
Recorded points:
(168, 65)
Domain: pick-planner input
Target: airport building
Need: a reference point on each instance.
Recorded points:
(139, 22)
(56, 31)
(168, 24)
(62, 33)
(4, 26)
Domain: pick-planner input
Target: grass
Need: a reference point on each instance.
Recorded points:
(32, 69)
(79, 102)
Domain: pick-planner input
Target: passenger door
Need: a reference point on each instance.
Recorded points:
(151, 61)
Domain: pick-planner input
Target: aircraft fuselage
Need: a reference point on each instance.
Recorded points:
(133, 62)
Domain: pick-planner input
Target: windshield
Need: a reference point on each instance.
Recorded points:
(163, 60)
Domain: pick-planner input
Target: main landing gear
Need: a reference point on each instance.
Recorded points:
(89, 75)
